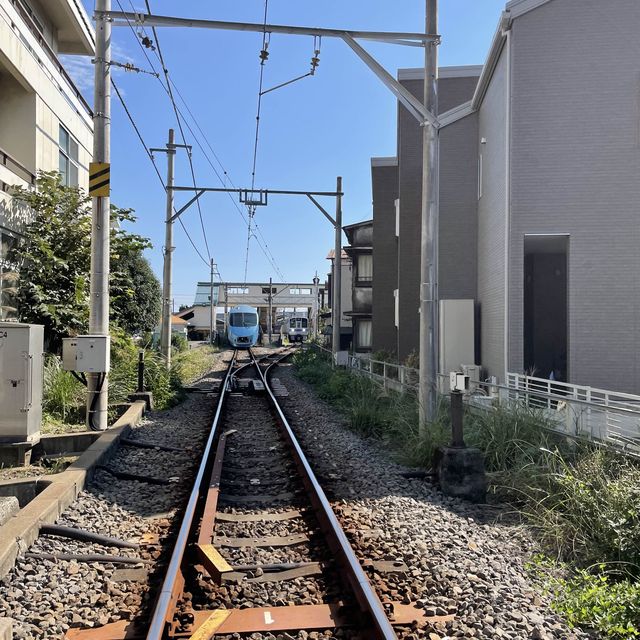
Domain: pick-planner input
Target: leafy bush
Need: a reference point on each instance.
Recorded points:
(62, 393)
(592, 599)
(179, 342)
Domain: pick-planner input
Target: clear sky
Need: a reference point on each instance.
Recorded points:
(310, 132)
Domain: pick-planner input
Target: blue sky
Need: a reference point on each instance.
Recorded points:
(310, 132)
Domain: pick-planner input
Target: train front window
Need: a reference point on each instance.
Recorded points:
(298, 323)
(243, 320)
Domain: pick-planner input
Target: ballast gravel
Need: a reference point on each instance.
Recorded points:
(463, 559)
(45, 597)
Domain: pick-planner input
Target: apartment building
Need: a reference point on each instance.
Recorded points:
(538, 197)
(45, 123)
(346, 276)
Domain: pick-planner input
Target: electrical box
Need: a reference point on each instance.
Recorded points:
(89, 354)
(342, 358)
(473, 371)
(21, 347)
(458, 381)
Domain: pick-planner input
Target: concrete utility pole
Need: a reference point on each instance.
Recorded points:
(429, 312)
(337, 273)
(165, 335)
(314, 311)
(100, 215)
(270, 319)
(211, 307)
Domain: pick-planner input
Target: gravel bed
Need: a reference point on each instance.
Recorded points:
(463, 559)
(47, 597)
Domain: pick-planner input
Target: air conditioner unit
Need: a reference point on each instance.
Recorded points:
(473, 371)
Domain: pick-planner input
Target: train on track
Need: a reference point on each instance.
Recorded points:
(297, 329)
(243, 328)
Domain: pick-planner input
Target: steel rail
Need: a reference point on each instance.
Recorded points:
(163, 609)
(164, 603)
(364, 592)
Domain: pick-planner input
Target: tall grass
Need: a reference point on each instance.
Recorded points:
(62, 393)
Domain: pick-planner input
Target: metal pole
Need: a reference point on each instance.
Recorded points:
(457, 412)
(429, 236)
(211, 313)
(140, 372)
(226, 308)
(100, 217)
(337, 273)
(269, 321)
(165, 338)
(316, 281)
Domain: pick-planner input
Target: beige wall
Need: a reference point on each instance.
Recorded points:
(38, 98)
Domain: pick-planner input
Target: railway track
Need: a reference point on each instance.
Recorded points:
(259, 548)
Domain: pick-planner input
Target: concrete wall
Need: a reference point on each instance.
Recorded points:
(452, 92)
(384, 185)
(575, 164)
(491, 221)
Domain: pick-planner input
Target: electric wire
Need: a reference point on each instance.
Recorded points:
(262, 241)
(264, 54)
(153, 162)
(179, 121)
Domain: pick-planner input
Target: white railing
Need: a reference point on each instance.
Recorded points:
(606, 416)
(397, 377)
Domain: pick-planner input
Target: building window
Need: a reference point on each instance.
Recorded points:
(300, 291)
(238, 290)
(363, 336)
(396, 204)
(266, 290)
(479, 176)
(364, 269)
(68, 158)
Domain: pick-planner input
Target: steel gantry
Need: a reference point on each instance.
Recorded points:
(424, 112)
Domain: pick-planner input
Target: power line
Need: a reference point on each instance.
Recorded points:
(153, 162)
(262, 242)
(179, 120)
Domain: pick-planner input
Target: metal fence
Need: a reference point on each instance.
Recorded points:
(598, 415)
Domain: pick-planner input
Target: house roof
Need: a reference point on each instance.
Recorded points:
(355, 225)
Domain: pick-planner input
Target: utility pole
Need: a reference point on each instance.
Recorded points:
(97, 385)
(165, 336)
(211, 307)
(226, 307)
(314, 311)
(429, 312)
(337, 273)
(270, 319)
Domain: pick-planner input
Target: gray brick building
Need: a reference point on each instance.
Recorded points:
(539, 197)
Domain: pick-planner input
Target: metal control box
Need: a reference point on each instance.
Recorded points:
(21, 347)
(89, 354)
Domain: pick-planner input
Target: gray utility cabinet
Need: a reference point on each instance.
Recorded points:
(21, 347)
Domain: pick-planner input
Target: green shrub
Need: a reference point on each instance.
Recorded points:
(62, 393)
(593, 599)
(179, 342)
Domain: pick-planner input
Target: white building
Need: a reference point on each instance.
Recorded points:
(45, 123)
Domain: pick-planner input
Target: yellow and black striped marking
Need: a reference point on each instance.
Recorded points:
(99, 179)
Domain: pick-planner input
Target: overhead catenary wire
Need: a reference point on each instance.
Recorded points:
(264, 56)
(262, 242)
(179, 121)
(153, 162)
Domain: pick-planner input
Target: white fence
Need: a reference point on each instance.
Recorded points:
(602, 416)
(595, 414)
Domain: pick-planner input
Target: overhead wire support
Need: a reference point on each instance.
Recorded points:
(179, 121)
(147, 43)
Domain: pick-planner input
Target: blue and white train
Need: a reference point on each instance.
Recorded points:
(243, 329)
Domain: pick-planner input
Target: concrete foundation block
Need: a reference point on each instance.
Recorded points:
(461, 473)
(145, 396)
(9, 506)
